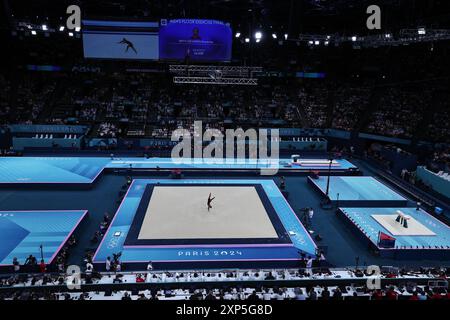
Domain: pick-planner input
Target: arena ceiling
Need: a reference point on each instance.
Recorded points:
(293, 16)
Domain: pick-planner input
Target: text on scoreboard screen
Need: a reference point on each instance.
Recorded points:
(195, 39)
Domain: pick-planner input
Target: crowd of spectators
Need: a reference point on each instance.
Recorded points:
(103, 92)
(400, 112)
(23, 99)
(5, 98)
(150, 105)
(351, 101)
(311, 293)
(313, 100)
(163, 285)
(440, 160)
(439, 126)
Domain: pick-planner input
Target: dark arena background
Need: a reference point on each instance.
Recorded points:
(342, 193)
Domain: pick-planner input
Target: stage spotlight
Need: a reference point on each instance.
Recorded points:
(310, 42)
(421, 31)
(387, 35)
(326, 42)
(77, 29)
(44, 27)
(61, 28)
(33, 32)
(70, 34)
(354, 38)
(238, 34)
(247, 40)
(317, 42)
(258, 35)
(274, 35)
(258, 40)
(286, 36)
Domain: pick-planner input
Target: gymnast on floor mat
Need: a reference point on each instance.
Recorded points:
(210, 199)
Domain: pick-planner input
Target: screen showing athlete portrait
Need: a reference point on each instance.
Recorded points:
(197, 40)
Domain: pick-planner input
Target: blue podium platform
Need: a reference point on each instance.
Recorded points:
(85, 170)
(435, 245)
(358, 191)
(294, 238)
(23, 233)
(50, 170)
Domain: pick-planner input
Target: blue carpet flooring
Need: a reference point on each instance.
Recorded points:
(341, 244)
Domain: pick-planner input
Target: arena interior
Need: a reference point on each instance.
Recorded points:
(225, 150)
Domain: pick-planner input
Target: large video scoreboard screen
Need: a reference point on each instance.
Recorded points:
(195, 39)
(120, 40)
